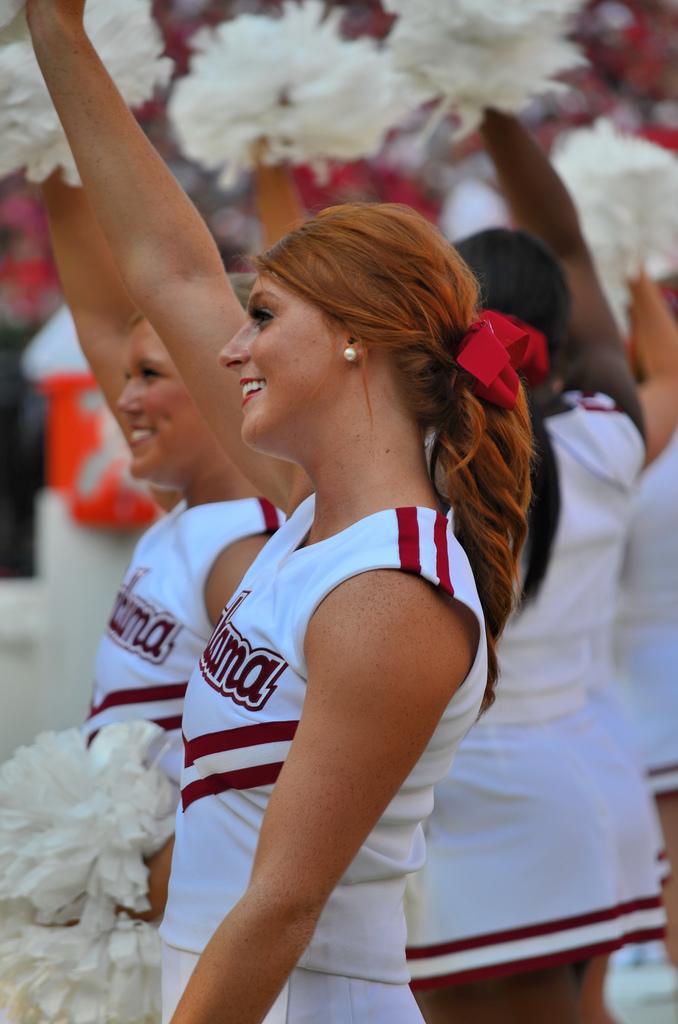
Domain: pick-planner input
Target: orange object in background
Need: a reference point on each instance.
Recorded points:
(87, 459)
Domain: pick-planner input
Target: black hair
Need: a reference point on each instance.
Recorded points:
(519, 275)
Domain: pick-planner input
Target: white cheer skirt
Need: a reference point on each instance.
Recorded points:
(610, 712)
(649, 660)
(307, 998)
(537, 854)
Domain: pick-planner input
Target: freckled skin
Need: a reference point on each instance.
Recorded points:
(288, 347)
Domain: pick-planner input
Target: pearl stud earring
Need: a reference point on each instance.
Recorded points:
(350, 353)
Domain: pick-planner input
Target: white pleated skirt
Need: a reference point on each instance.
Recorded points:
(309, 997)
(611, 713)
(649, 659)
(540, 851)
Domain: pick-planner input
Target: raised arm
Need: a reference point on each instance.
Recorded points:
(92, 287)
(654, 334)
(278, 202)
(541, 204)
(164, 252)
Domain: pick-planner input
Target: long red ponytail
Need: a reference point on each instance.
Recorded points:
(393, 281)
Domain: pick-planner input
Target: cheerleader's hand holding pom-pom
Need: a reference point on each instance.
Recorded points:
(315, 97)
(76, 823)
(104, 970)
(79, 830)
(473, 54)
(625, 189)
(124, 34)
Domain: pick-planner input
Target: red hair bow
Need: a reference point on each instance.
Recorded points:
(491, 351)
(535, 365)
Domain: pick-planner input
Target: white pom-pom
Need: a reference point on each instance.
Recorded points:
(104, 970)
(473, 54)
(77, 822)
(285, 88)
(14, 916)
(625, 190)
(130, 45)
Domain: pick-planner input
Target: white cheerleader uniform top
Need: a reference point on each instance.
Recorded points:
(159, 623)
(647, 622)
(553, 648)
(649, 596)
(243, 705)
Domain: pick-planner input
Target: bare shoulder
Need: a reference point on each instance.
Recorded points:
(393, 626)
(228, 569)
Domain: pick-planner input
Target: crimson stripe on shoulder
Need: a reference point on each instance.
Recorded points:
(242, 778)
(442, 554)
(592, 401)
(236, 739)
(142, 695)
(592, 406)
(408, 539)
(270, 514)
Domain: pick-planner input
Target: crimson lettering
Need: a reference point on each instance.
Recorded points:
(237, 670)
(139, 627)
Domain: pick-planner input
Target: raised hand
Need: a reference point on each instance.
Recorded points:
(163, 250)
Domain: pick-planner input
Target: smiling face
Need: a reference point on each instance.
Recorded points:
(289, 359)
(163, 428)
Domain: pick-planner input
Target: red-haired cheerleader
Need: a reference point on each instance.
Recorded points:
(359, 647)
